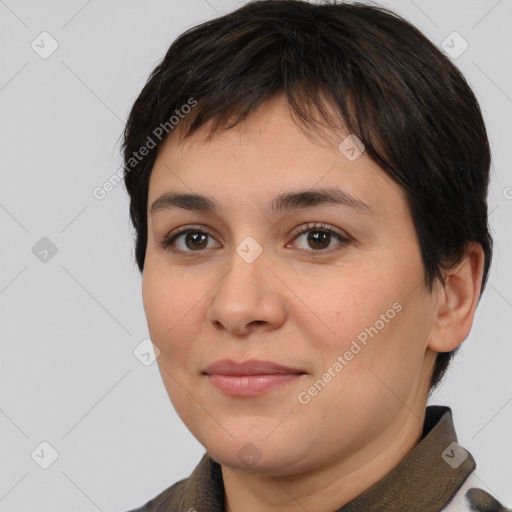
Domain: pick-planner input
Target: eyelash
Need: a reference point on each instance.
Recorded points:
(167, 242)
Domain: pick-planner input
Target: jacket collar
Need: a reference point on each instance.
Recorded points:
(423, 480)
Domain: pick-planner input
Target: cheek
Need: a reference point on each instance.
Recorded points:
(346, 306)
(172, 305)
(368, 318)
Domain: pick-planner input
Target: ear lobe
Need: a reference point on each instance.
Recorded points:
(458, 299)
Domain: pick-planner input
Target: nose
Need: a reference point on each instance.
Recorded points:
(248, 297)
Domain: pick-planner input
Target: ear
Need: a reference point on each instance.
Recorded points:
(457, 301)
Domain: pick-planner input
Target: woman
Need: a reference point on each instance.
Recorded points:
(308, 186)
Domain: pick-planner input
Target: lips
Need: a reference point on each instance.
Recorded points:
(250, 378)
(250, 367)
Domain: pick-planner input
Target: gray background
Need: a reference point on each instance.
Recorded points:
(69, 325)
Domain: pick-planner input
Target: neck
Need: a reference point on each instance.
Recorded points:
(330, 487)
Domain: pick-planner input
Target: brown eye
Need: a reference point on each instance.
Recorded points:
(319, 237)
(187, 240)
(196, 240)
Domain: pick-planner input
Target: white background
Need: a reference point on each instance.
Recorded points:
(68, 375)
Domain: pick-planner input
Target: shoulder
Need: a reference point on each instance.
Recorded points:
(170, 499)
(471, 498)
(202, 490)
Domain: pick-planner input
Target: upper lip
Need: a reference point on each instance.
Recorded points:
(250, 367)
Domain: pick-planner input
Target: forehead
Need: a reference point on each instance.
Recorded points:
(265, 156)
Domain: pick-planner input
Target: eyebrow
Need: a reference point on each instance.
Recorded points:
(282, 203)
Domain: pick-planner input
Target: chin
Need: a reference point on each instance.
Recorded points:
(256, 456)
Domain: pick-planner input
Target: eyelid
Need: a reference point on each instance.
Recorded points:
(320, 226)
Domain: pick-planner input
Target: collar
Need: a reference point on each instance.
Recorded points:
(423, 480)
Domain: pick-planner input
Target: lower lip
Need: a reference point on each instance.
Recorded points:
(250, 385)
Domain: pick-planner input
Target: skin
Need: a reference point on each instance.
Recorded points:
(298, 306)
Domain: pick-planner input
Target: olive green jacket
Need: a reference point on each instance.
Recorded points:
(437, 475)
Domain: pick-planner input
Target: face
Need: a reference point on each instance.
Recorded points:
(332, 290)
